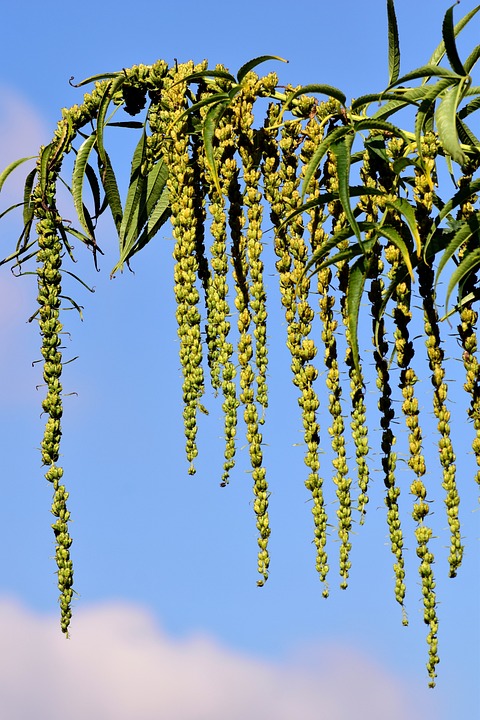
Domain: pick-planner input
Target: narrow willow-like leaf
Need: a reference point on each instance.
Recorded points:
(331, 243)
(245, 69)
(328, 90)
(439, 52)
(393, 44)
(469, 227)
(426, 109)
(214, 99)
(110, 187)
(448, 34)
(28, 213)
(347, 254)
(110, 90)
(470, 262)
(471, 61)
(401, 98)
(321, 150)
(148, 209)
(135, 191)
(445, 118)
(92, 179)
(45, 155)
(12, 207)
(365, 100)
(210, 123)
(95, 78)
(394, 236)
(356, 285)
(11, 168)
(472, 106)
(204, 75)
(427, 71)
(404, 207)
(341, 150)
(465, 135)
(77, 179)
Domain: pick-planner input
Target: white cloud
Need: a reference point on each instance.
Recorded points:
(119, 665)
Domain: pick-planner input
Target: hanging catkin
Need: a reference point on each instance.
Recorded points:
(220, 348)
(49, 291)
(184, 208)
(424, 181)
(376, 173)
(250, 303)
(467, 327)
(337, 429)
(281, 181)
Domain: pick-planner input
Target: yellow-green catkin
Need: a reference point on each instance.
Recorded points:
(220, 349)
(49, 299)
(183, 204)
(281, 183)
(337, 429)
(423, 535)
(376, 173)
(424, 179)
(408, 378)
(247, 272)
(467, 328)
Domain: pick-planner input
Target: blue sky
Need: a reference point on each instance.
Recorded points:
(165, 564)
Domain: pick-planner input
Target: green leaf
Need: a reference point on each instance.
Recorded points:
(112, 195)
(10, 168)
(468, 229)
(364, 100)
(136, 187)
(328, 90)
(341, 149)
(79, 170)
(393, 44)
(45, 155)
(324, 250)
(440, 50)
(404, 208)
(210, 100)
(321, 150)
(445, 118)
(205, 75)
(95, 190)
(156, 219)
(95, 78)
(426, 109)
(392, 234)
(110, 90)
(448, 34)
(461, 196)
(356, 285)
(471, 61)
(210, 123)
(465, 134)
(245, 69)
(377, 124)
(470, 262)
(27, 198)
(427, 71)
(472, 106)
(146, 195)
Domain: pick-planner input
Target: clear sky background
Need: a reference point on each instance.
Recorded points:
(168, 622)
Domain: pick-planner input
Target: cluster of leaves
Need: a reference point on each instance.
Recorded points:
(355, 207)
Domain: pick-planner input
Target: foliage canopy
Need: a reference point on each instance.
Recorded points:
(359, 218)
